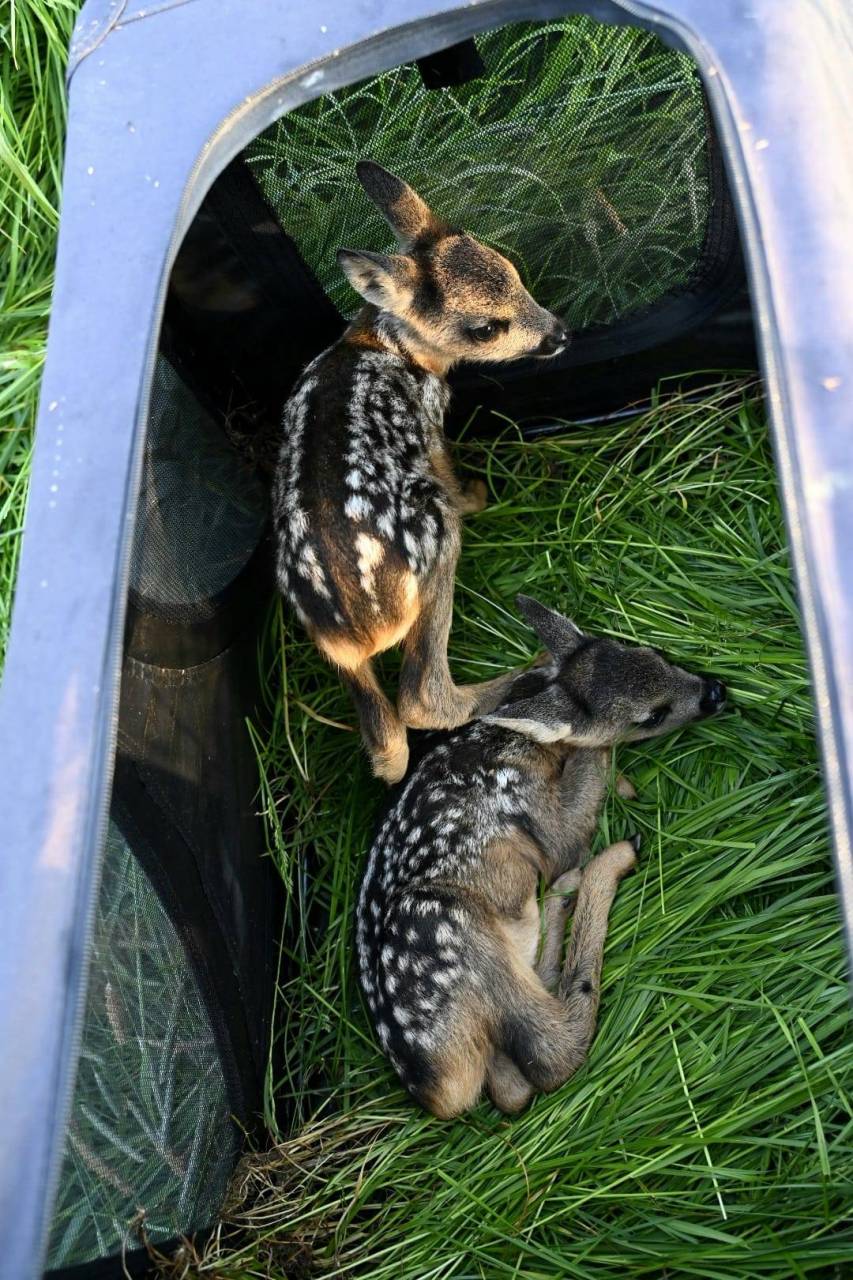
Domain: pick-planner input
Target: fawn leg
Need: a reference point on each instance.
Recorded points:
(558, 903)
(467, 496)
(383, 734)
(580, 983)
(473, 497)
(428, 698)
(508, 1088)
(553, 1035)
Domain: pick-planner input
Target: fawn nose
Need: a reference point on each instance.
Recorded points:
(554, 342)
(713, 696)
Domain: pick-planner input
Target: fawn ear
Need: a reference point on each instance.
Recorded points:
(559, 635)
(545, 717)
(381, 278)
(403, 209)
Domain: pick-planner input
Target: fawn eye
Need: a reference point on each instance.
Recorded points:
(656, 718)
(483, 332)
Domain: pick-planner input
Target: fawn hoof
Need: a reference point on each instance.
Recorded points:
(635, 841)
(625, 788)
(567, 885)
(475, 496)
(621, 858)
(391, 763)
(416, 714)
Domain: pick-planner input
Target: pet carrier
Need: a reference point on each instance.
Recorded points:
(205, 194)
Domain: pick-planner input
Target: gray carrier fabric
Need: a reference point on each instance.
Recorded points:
(201, 509)
(597, 185)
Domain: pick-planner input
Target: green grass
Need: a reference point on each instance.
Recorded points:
(710, 1133)
(543, 157)
(33, 42)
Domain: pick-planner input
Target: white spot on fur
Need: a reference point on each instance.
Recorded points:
(370, 554)
(385, 524)
(356, 507)
(534, 729)
(309, 567)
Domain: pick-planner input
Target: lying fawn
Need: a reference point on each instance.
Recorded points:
(448, 922)
(366, 506)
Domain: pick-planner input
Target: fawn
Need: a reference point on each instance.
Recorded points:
(448, 922)
(366, 507)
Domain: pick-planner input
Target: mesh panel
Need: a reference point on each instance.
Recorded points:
(582, 154)
(150, 1125)
(201, 508)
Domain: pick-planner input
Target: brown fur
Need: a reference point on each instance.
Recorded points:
(462, 992)
(348, 652)
(360, 586)
(474, 284)
(560, 1026)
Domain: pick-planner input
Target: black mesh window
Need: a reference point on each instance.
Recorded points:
(595, 181)
(174, 1032)
(150, 1127)
(201, 509)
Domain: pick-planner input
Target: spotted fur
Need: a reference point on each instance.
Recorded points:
(448, 924)
(366, 506)
(356, 496)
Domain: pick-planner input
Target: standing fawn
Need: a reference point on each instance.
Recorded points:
(448, 922)
(366, 507)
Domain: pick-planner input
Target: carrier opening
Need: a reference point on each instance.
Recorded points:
(586, 154)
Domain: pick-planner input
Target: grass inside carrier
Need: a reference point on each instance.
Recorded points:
(710, 1132)
(581, 152)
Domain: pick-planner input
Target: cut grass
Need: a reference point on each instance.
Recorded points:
(710, 1132)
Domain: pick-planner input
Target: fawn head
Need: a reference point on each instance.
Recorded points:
(448, 297)
(597, 692)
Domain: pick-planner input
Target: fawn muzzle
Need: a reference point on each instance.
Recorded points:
(554, 342)
(713, 696)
